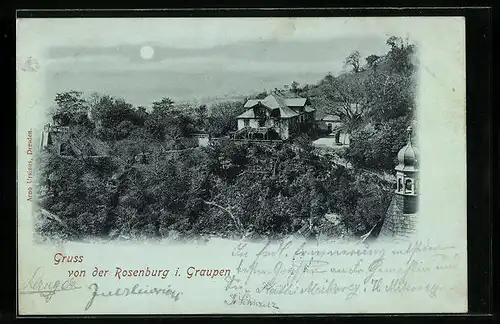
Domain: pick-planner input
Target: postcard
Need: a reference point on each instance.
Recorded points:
(241, 165)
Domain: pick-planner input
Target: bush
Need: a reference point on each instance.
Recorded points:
(227, 188)
(377, 147)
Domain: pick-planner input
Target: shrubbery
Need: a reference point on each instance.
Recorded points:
(226, 189)
(152, 183)
(377, 147)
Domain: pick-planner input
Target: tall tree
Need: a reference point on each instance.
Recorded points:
(71, 108)
(295, 87)
(163, 106)
(142, 115)
(401, 55)
(345, 97)
(389, 95)
(201, 117)
(353, 60)
(395, 42)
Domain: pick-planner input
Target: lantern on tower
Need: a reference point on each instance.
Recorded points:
(407, 175)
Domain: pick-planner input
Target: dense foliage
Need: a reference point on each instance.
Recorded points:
(375, 101)
(136, 172)
(224, 189)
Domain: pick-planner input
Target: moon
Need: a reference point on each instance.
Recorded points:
(147, 52)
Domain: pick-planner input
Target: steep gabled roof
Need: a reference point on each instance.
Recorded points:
(252, 102)
(272, 102)
(286, 112)
(295, 102)
(278, 100)
(247, 114)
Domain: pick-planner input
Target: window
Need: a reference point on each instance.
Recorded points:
(400, 184)
(262, 122)
(408, 186)
(275, 113)
(246, 122)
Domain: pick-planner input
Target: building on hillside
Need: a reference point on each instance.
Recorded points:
(401, 217)
(333, 126)
(278, 116)
(56, 135)
(53, 134)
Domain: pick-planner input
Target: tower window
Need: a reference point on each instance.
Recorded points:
(400, 184)
(408, 186)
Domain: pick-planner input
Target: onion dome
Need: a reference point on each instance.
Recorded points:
(408, 156)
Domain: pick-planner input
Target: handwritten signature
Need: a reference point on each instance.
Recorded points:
(246, 300)
(135, 290)
(37, 284)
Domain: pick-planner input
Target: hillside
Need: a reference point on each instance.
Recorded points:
(154, 182)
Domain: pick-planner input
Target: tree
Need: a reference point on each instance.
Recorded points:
(229, 188)
(345, 97)
(370, 60)
(155, 125)
(389, 95)
(222, 118)
(163, 106)
(304, 91)
(142, 115)
(71, 108)
(93, 101)
(401, 54)
(353, 60)
(261, 95)
(377, 147)
(113, 116)
(201, 117)
(171, 122)
(295, 87)
(124, 129)
(71, 102)
(395, 42)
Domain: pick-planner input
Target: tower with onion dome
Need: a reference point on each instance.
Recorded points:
(401, 216)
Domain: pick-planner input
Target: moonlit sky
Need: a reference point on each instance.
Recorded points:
(199, 58)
